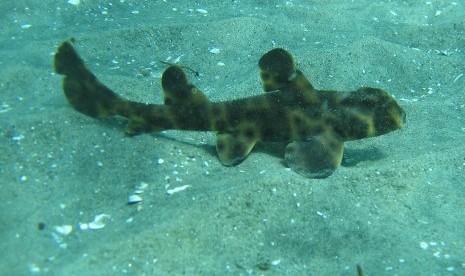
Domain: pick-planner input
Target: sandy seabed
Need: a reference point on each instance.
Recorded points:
(396, 207)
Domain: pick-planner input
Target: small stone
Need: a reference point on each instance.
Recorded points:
(41, 226)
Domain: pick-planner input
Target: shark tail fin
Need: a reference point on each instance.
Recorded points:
(82, 89)
(177, 91)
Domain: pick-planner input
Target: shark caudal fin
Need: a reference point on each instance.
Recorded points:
(82, 89)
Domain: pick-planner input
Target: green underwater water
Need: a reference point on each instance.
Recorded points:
(395, 207)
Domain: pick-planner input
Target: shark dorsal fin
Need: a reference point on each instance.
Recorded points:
(277, 67)
(278, 72)
(178, 91)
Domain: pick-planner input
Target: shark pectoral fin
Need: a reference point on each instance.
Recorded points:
(178, 91)
(82, 89)
(317, 157)
(232, 149)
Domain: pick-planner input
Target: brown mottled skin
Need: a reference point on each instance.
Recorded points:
(291, 111)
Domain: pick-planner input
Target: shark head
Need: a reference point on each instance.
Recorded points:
(369, 112)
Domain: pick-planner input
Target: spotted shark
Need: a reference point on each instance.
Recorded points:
(314, 123)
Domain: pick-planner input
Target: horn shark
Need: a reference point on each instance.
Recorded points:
(314, 123)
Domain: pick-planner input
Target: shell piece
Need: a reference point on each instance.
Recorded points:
(64, 229)
(142, 186)
(177, 189)
(134, 199)
(98, 222)
(215, 50)
(74, 2)
(4, 107)
(84, 226)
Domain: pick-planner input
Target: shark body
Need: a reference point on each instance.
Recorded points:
(314, 123)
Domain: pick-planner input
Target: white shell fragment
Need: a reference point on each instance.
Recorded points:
(74, 2)
(177, 189)
(134, 199)
(215, 50)
(64, 229)
(424, 245)
(4, 107)
(140, 188)
(276, 262)
(202, 11)
(176, 60)
(98, 221)
(455, 80)
(96, 224)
